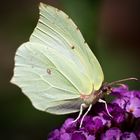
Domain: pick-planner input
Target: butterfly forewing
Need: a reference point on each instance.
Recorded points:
(56, 27)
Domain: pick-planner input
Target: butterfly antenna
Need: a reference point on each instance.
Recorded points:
(120, 81)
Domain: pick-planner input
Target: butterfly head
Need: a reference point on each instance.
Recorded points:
(105, 89)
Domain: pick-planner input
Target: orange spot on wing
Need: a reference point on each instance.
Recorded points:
(49, 71)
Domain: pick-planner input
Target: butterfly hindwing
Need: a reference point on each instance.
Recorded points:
(44, 81)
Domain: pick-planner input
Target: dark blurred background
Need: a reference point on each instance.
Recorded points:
(112, 30)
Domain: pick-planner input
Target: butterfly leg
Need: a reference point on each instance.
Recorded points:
(83, 105)
(89, 108)
(102, 101)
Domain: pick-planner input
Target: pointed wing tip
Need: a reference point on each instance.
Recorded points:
(43, 5)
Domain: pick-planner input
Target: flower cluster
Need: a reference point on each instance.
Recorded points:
(98, 125)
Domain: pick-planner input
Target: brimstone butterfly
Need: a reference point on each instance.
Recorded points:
(56, 68)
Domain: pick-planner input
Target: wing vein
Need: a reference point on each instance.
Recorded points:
(56, 68)
(54, 30)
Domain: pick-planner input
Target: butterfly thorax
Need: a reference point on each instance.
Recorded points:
(96, 95)
(92, 98)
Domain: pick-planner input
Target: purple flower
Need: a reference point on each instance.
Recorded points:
(69, 126)
(127, 100)
(133, 106)
(82, 136)
(54, 135)
(124, 123)
(92, 124)
(65, 136)
(122, 95)
(111, 134)
(128, 136)
(69, 131)
(91, 137)
(117, 113)
(121, 101)
(78, 136)
(135, 94)
(121, 90)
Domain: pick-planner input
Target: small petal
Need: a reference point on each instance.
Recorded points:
(117, 113)
(133, 106)
(135, 93)
(54, 135)
(128, 136)
(90, 137)
(120, 90)
(78, 136)
(112, 134)
(122, 95)
(121, 101)
(65, 136)
(68, 123)
(93, 126)
(69, 126)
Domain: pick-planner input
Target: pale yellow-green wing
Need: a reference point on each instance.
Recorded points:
(56, 66)
(46, 77)
(55, 27)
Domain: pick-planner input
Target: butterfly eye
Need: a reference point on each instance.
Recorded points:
(105, 89)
